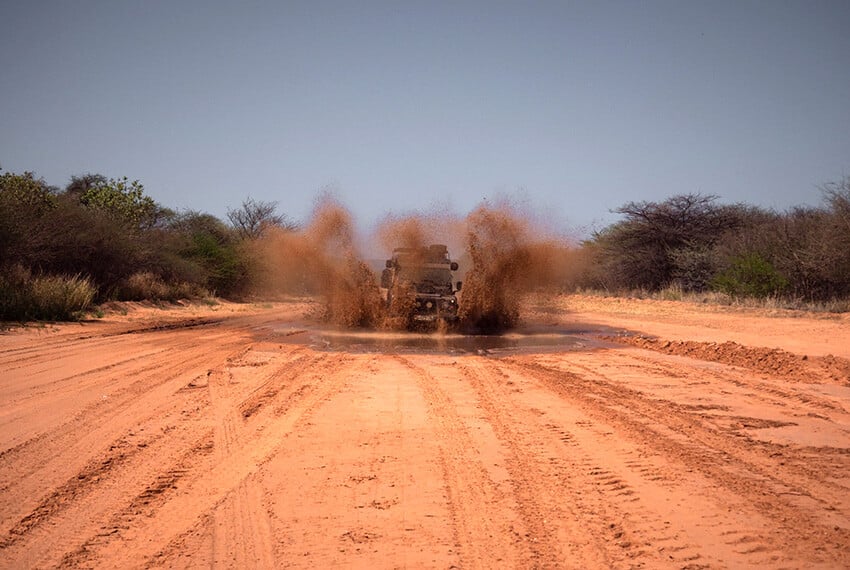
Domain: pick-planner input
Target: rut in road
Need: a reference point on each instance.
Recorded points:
(223, 488)
(146, 410)
(477, 504)
(119, 427)
(746, 474)
(217, 445)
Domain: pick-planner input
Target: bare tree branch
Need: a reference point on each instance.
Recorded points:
(254, 218)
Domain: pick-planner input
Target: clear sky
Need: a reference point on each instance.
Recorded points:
(573, 107)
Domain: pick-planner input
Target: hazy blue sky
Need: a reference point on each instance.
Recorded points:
(575, 107)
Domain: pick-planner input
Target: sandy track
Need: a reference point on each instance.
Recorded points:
(209, 439)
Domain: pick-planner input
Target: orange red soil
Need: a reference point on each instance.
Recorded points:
(706, 437)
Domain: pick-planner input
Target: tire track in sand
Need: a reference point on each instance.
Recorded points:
(482, 510)
(570, 502)
(173, 476)
(744, 475)
(141, 393)
(602, 485)
(230, 492)
(242, 534)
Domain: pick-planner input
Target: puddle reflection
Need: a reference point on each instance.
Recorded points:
(520, 341)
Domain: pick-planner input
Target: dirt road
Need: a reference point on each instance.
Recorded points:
(239, 436)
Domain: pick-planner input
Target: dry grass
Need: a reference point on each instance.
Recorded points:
(24, 296)
(144, 285)
(675, 293)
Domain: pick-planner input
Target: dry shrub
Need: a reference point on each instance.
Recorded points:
(61, 297)
(24, 296)
(147, 286)
(141, 286)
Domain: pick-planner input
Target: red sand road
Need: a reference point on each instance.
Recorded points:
(202, 436)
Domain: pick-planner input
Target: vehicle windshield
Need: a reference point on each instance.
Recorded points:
(426, 275)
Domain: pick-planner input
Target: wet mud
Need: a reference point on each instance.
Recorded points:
(519, 341)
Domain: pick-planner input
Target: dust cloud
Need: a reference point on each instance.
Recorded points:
(322, 259)
(420, 230)
(502, 252)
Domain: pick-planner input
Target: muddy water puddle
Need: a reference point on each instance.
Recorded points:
(517, 341)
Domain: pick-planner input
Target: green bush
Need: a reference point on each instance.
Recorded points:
(45, 297)
(122, 200)
(750, 276)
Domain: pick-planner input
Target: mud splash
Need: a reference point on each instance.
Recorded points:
(497, 244)
(502, 255)
(503, 252)
(322, 259)
(509, 258)
(422, 229)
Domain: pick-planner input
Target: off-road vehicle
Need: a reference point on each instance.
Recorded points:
(419, 285)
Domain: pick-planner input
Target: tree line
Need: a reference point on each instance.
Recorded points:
(104, 239)
(693, 242)
(100, 239)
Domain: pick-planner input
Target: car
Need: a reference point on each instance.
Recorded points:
(419, 285)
